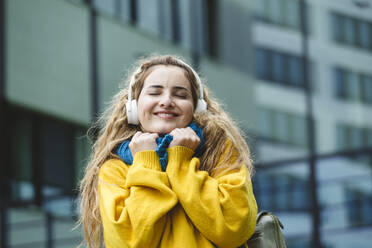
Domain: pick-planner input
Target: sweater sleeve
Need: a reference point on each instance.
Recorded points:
(222, 208)
(134, 201)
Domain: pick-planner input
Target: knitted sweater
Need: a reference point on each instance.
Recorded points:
(141, 206)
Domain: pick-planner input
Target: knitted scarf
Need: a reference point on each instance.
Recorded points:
(163, 143)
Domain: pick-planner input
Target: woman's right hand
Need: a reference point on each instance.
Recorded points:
(143, 141)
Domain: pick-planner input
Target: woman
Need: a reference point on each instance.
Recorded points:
(169, 167)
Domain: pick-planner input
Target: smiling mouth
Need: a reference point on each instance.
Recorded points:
(166, 115)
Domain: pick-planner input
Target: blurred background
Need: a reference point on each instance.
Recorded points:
(296, 75)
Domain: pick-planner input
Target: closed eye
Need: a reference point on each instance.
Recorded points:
(182, 96)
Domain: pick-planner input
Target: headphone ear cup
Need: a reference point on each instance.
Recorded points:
(201, 107)
(132, 112)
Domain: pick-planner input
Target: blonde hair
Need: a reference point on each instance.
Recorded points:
(218, 129)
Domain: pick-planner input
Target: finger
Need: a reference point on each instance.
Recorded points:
(155, 135)
(137, 134)
(174, 131)
(150, 135)
(189, 129)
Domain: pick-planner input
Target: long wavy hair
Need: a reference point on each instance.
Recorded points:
(218, 129)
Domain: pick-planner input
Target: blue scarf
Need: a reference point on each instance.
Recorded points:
(163, 143)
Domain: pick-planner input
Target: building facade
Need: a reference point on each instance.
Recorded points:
(300, 86)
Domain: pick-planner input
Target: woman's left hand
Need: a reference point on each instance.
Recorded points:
(184, 137)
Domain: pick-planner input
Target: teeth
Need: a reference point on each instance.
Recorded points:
(165, 115)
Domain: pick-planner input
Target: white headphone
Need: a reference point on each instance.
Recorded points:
(131, 105)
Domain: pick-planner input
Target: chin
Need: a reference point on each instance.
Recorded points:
(165, 130)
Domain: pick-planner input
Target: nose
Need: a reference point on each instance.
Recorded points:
(166, 101)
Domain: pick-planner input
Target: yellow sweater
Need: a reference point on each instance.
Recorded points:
(141, 206)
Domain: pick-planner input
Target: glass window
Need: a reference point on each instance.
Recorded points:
(21, 154)
(299, 130)
(148, 15)
(58, 162)
(282, 127)
(338, 29)
(260, 7)
(107, 6)
(293, 13)
(123, 9)
(278, 61)
(82, 151)
(274, 11)
(345, 189)
(265, 122)
(284, 189)
(365, 34)
(165, 18)
(353, 86)
(366, 210)
(350, 26)
(356, 138)
(368, 141)
(367, 88)
(342, 136)
(340, 86)
(295, 71)
(261, 63)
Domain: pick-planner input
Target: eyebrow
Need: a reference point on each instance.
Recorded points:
(175, 87)
(155, 86)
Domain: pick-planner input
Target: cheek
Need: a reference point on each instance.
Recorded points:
(189, 111)
(144, 107)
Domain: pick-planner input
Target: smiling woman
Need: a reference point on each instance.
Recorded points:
(166, 101)
(169, 167)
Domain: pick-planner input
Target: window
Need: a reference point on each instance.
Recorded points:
(261, 63)
(285, 13)
(265, 122)
(337, 27)
(352, 86)
(21, 154)
(279, 67)
(260, 7)
(292, 10)
(107, 6)
(212, 13)
(341, 136)
(283, 127)
(295, 71)
(366, 88)
(57, 157)
(351, 31)
(356, 138)
(116, 8)
(352, 137)
(298, 130)
(46, 157)
(82, 150)
(340, 85)
(368, 136)
(365, 34)
(274, 13)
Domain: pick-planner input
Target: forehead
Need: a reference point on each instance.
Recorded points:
(167, 76)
